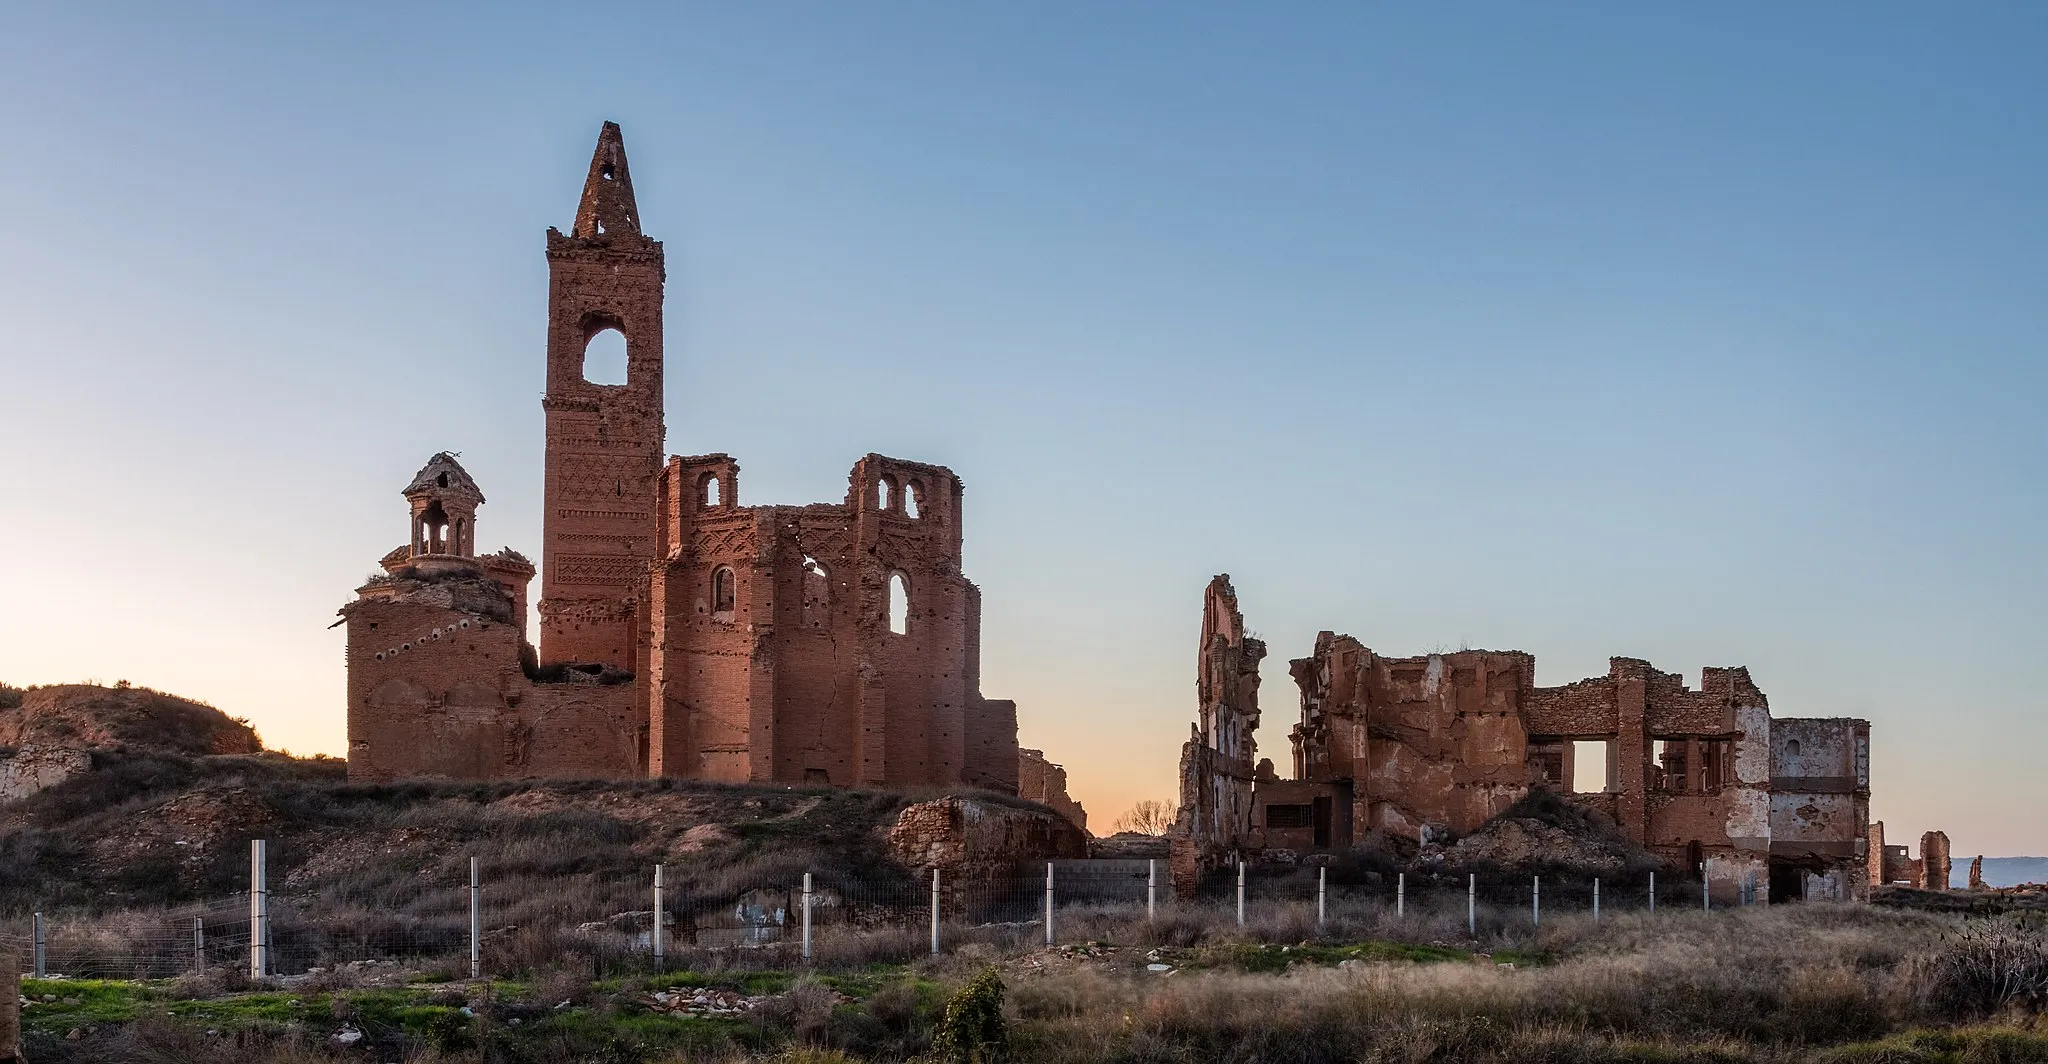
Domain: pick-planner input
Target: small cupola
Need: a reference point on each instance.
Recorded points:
(444, 501)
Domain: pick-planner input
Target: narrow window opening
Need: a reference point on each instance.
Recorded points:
(442, 480)
(1589, 766)
(899, 604)
(604, 358)
(606, 173)
(619, 488)
(1792, 747)
(433, 529)
(721, 593)
(884, 490)
(711, 489)
(913, 495)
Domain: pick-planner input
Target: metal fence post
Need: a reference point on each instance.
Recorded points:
(1472, 904)
(1151, 889)
(259, 910)
(807, 916)
(198, 945)
(1400, 895)
(1240, 892)
(1322, 894)
(935, 912)
(1536, 901)
(476, 927)
(660, 946)
(1706, 895)
(1653, 892)
(1048, 903)
(41, 967)
(1596, 899)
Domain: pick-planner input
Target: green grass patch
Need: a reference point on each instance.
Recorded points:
(81, 1002)
(1969, 1045)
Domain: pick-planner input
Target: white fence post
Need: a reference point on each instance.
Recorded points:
(1472, 904)
(807, 917)
(660, 946)
(1151, 889)
(1240, 892)
(1322, 895)
(1536, 901)
(259, 910)
(198, 945)
(935, 912)
(1048, 903)
(1653, 892)
(476, 925)
(1706, 895)
(1400, 895)
(1596, 899)
(41, 968)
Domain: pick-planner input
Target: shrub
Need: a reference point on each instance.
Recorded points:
(973, 1030)
(1986, 969)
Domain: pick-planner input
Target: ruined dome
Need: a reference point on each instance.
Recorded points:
(444, 477)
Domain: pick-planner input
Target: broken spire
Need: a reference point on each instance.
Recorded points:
(607, 208)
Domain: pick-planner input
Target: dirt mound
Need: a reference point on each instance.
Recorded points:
(86, 716)
(1129, 845)
(1544, 833)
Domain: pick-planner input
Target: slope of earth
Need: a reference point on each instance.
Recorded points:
(93, 717)
(154, 829)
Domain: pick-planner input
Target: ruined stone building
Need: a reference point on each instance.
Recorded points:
(681, 633)
(1424, 746)
(1895, 866)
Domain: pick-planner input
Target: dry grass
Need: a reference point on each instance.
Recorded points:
(1835, 984)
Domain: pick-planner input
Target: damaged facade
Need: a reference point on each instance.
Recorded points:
(681, 633)
(1421, 747)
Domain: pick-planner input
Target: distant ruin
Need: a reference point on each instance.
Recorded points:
(681, 633)
(1417, 748)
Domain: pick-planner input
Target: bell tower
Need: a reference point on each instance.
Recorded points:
(604, 440)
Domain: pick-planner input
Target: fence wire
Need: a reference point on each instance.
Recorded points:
(519, 924)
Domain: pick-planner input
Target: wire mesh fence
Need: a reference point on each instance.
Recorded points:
(521, 924)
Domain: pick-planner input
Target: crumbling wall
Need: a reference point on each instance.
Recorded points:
(1216, 764)
(1430, 744)
(1707, 777)
(1044, 782)
(1934, 861)
(825, 644)
(971, 839)
(439, 691)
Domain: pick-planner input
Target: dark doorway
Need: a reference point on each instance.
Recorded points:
(1788, 881)
(1322, 821)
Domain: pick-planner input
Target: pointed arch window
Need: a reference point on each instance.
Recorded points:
(899, 604)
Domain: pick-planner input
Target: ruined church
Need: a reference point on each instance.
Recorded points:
(681, 633)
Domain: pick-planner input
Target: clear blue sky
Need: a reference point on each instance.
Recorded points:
(1712, 334)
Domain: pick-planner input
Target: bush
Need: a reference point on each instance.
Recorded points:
(973, 1030)
(1986, 969)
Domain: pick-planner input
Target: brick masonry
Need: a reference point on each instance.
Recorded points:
(682, 633)
(1418, 747)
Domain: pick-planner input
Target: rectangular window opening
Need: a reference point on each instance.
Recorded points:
(1590, 766)
(1290, 816)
